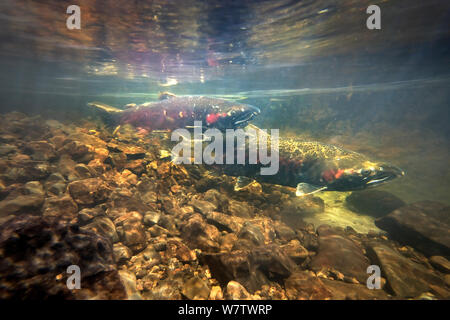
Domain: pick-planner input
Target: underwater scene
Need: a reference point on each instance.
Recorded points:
(224, 150)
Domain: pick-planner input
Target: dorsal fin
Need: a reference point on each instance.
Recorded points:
(165, 95)
(104, 107)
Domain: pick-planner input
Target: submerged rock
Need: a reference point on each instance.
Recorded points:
(195, 289)
(46, 249)
(89, 191)
(440, 263)
(236, 291)
(304, 285)
(376, 203)
(338, 252)
(405, 278)
(21, 204)
(60, 206)
(423, 225)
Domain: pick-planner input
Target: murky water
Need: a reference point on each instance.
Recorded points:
(313, 68)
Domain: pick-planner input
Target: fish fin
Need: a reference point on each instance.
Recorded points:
(104, 107)
(242, 182)
(304, 189)
(165, 95)
(161, 131)
(116, 130)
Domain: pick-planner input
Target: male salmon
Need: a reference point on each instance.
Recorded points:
(173, 112)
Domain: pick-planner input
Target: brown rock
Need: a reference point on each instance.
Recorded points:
(236, 291)
(405, 278)
(40, 150)
(196, 289)
(46, 249)
(60, 206)
(177, 249)
(338, 252)
(440, 263)
(423, 225)
(89, 191)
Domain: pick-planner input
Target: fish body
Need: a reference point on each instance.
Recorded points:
(180, 112)
(313, 166)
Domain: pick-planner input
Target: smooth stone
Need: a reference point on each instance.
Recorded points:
(202, 206)
(405, 278)
(196, 289)
(128, 280)
(440, 263)
(121, 253)
(236, 291)
(422, 225)
(338, 252)
(376, 203)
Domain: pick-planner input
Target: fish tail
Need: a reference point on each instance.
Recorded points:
(110, 115)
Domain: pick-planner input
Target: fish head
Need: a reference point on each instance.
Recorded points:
(231, 116)
(366, 175)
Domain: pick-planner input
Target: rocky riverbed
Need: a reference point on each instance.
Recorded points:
(140, 227)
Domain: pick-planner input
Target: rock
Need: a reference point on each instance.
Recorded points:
(201, 235)
(24, 170)
(295, 251)
(166, 290)
(303, 285)
(236, 291)
(104, 226)
(405, 278)
(225, 222)
(87, 214)
(283, 232)
(440, 263)
(121, 253)
(89, 191)
(272, 261)
(128, 280)
(78, 151)
(151, 218)
(177, 249)
(149, 197)
(239, 209)
(252, 233)
(204, 207)
(151, 257)
(34, 188)
(251, 268)
(6, 149)
(47, 248)
(423, 225)
(21, 204)
(40, 150)
(57, 189)
(60, 206)
(196, 289)
(83, 171)
(66, 166)
(338, 252)
(447, 280)
(376, 203)
(133, 232)
(216, 293)
(227, 242)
